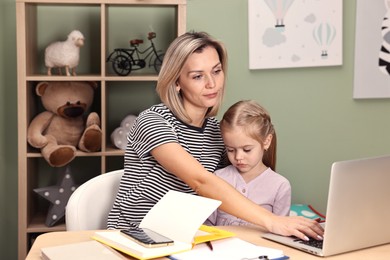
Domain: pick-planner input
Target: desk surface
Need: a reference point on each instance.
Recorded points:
(249, 234)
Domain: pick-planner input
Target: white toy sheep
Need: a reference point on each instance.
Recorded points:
(64, 54)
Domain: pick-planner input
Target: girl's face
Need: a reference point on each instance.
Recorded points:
(201, 81)
(244, 152)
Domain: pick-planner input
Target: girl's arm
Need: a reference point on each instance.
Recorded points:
(282, 202)
(180, 163)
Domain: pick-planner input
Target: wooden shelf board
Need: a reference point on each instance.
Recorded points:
(37, 225)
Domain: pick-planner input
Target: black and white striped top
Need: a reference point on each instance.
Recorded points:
(145, 181)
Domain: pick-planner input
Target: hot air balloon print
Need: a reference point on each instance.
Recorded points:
(279, 9)
(324, 34)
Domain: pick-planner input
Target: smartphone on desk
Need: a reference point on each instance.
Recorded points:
(147, 237)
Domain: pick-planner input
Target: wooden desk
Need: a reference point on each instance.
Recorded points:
(249, 234)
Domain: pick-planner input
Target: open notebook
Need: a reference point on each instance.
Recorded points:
(178, 216)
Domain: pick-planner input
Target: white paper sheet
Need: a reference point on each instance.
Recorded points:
(179, 215)
(229, 249)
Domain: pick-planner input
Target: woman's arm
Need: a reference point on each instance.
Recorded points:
(180, 163)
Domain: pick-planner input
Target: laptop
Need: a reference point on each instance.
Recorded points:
(358, 208)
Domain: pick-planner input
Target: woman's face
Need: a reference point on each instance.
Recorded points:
(201, 81)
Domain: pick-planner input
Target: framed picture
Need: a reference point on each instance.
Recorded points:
(288, 33)
(372, 49)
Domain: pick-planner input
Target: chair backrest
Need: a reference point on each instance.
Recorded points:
(90, 203)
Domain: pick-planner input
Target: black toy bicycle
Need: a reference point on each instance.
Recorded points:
(126, 60)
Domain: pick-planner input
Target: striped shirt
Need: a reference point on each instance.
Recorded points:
(145, 181)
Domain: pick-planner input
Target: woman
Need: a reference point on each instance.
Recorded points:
(178, 145)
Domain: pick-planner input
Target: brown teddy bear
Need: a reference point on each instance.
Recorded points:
(61, 128)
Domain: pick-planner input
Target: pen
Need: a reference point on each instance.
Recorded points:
(209, 245)
(281, 258)
(266, 258)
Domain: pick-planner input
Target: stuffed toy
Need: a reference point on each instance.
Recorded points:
(64, 54)
(61, 129)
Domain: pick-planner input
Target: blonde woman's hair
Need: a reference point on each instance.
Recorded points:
(175, 57)
(256, 123)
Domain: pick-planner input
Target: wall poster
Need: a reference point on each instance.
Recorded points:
(372, 49)
(294, 33)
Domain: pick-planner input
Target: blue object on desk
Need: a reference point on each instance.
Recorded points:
(281, 258)
(307, 211)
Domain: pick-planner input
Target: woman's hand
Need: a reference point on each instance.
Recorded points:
(296, 226)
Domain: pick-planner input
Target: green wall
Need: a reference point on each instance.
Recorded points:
(8, 132)
(316, 119)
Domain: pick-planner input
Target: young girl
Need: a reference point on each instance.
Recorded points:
(250, 141)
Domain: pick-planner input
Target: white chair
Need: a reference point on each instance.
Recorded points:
(90, 203)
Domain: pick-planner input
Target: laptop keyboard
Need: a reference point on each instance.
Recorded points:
(311, 242)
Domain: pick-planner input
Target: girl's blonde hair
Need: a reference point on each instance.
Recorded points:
(256, 123)
(175, 57)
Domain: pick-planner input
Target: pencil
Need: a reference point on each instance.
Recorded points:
(209, 245)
